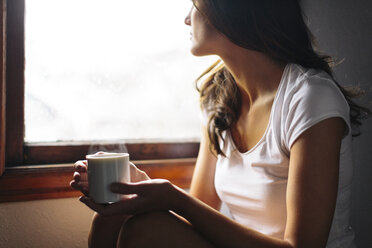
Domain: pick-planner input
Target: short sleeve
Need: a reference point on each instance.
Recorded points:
(316, 99)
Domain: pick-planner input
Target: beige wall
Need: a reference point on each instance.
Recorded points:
(47, 223)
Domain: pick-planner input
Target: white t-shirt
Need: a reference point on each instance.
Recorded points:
(253, 184)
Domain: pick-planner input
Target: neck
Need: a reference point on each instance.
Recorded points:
(256, 75)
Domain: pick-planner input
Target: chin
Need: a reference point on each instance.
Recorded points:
(195, 53)
(198, 51)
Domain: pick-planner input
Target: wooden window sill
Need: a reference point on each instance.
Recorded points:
(24, 183)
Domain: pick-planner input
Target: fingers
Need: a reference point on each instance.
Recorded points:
(126, 206)
(127, 188)
(81, 166)
(73, 184)
(80, 176)
(77, 176)
(143, 187)
(80, 185)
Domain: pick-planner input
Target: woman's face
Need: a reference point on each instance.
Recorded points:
(204, 36)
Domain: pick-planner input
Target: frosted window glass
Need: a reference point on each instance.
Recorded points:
(107, 70)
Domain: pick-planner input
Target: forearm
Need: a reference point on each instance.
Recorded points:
(221, 230)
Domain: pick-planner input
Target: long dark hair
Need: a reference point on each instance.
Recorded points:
(273, 27)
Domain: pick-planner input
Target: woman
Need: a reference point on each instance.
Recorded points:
(276, 144)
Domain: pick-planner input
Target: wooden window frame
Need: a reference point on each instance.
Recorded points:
(43, 170)
(2, 84)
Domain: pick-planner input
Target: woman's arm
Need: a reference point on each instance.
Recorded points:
(202, 184)
(311, 196)
(313, 183)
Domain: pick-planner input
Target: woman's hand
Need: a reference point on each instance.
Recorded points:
(146, 196)
(80, 181)
(80, 177)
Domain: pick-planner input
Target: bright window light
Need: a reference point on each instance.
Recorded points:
(109, 70)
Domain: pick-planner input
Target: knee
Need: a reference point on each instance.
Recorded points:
(100, 221)
(139, 224)
(106, 225)
(141, 221)
(140, 230)
(105, 230)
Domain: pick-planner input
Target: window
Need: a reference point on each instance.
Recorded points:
(163, 149)
(112, 70)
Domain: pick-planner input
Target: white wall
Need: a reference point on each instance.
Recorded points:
(47, 223)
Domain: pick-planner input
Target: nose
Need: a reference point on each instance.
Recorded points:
(188, 18)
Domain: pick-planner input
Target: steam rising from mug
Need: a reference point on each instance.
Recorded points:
(109, 147)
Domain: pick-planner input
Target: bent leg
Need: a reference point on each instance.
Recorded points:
(105, 230)
(159, 229)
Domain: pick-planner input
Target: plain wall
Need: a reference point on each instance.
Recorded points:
(343, 28)
(58, 223)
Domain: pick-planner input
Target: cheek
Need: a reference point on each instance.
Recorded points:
(204, 36)
(201, 31)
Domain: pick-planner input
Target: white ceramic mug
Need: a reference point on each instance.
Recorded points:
(104, 169)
